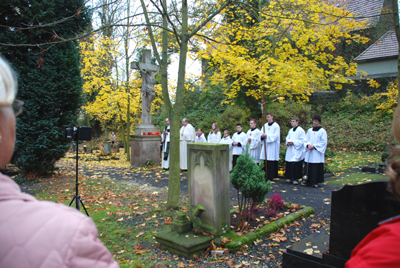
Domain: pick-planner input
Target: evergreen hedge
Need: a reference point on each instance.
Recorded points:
(49, 81)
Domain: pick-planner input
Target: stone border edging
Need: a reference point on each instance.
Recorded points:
(250, 237)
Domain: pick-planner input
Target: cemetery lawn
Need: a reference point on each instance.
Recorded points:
(126, 214)
(344, 159)
(357, 178)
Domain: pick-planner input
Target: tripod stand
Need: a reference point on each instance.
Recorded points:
(77, 197)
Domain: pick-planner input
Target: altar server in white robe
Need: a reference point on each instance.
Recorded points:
(215, 135)
(253, 139)
(165, 148)
(227, 140)
(316, 142)
(187, 135)
(295, 152)
(239, 141)
(270, 133)
(200, 136)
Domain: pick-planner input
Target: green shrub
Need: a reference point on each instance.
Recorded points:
(284, 111)
(232, 116)
(248, 179)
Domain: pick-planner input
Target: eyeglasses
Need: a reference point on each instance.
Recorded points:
(18, 107)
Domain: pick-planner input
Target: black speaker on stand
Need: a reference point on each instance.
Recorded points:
(78, 134)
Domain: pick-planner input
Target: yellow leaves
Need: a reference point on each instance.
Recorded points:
(390, 101)
(283, 56)
(373, 83)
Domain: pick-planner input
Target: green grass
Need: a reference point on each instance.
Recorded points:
(357, 178)
(345, 159)
(126, 215)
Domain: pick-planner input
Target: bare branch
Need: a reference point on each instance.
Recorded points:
(63, 40)
(198, 28)
(164, 11)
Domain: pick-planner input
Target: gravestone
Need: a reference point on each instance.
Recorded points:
(143, 146)
(356, 210)
(107, 147)
(208, 179)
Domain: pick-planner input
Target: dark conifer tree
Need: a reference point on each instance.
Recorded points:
(49, 81)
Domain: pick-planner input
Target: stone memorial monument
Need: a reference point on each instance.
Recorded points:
(208, 179)
(144, 146)
(209, 207)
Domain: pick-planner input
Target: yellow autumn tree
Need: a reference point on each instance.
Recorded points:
(106, 98)
(284, 49)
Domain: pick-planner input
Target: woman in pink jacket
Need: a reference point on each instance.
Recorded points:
(38, 234)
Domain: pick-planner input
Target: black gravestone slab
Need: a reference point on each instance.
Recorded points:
(355, 211)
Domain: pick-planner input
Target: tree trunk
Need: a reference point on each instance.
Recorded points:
(128, 126)
(88, 124)
(174, 173)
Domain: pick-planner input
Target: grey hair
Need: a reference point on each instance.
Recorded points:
(185, 119)
(8, 83)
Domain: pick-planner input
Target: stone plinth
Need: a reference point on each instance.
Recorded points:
(208, 179)
(146, 128)
(185, 245)
(145, 147)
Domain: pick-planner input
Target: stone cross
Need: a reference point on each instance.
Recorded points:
(149, 72)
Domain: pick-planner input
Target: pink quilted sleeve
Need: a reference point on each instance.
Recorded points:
(86, 250)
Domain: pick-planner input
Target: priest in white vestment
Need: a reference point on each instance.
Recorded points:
(295, 152)
(239, 141)
(227, 140)
(253, 139)
(215, 135)
(165, 148)
(316, 142)
(187, 135)
(270, 136)
(200, 136)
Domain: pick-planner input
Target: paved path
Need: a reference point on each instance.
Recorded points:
(314, 197)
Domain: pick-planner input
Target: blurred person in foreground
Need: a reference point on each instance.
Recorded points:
(39, 233)
(380, 248)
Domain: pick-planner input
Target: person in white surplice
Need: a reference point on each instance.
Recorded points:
(200, 136)
(165, 148)
(227, 140)
(271, 134)
(316, 141)
(187, 135)
(295, 152)
(253, 139)
(214, 136)
(239, 141)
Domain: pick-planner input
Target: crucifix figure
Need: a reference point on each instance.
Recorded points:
(149, 72)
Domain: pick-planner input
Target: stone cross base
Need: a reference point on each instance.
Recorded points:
(185, 245)
(145, 147)
(208, 179)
